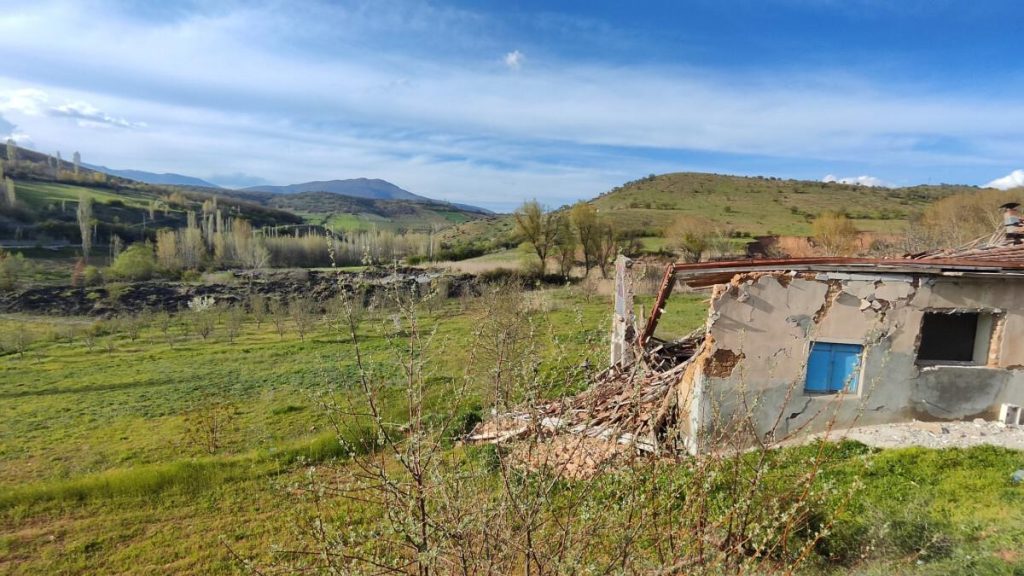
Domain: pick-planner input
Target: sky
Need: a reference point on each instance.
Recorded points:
(493, 102)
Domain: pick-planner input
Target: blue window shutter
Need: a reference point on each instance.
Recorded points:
(831, 367)
(845, 361)
(819, 366)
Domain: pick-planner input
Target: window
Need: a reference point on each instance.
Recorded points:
(833, 367)
(954, 337)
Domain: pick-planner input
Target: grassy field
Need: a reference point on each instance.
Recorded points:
(762, 206)
(101, 470)
(748, 206)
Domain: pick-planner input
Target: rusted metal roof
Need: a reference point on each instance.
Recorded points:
(1001, 258)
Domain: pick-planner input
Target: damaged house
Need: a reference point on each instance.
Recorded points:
(800, 346)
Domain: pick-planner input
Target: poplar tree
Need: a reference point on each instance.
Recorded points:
(9, 193)
(85, 220)
(77, 158)
(12, 152)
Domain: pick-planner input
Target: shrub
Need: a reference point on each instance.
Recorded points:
(12, 268)
(137, 262)
(91, 276)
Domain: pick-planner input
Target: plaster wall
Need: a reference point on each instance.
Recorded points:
(760, 327)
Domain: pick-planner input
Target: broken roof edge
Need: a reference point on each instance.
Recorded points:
(704, 274)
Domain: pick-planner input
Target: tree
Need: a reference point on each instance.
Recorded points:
(834, 233)
(539, 228)
(691, 237)
(85, 222)
(565, 246)
(10, 196)
(607, 246)
(957, 219)
(12, 152)
(77, 159)
(137, 262)
(588, 230)
(12, 266)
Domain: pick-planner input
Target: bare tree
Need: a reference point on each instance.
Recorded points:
(835, 234)
(587, 226)
(303, 314)
(279, 315)
(207, 425)
(539, 228)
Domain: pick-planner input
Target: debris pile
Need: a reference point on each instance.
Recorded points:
(625, 411)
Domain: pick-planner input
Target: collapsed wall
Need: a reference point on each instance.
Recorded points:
(752, 370)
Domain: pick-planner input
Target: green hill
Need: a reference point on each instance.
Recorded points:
(762, 206)
(342, 212)
(47, 199)
(750, 206)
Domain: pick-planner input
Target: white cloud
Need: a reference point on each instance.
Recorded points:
(1014, 179)
(514, 59)
(27, 101)
(858, 180)
(88, 115)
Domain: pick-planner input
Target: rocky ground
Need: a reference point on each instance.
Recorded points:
(956, 434)
(157, 295)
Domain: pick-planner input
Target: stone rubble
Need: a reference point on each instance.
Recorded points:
(952, 434)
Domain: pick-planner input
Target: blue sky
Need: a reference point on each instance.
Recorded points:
(493, 102)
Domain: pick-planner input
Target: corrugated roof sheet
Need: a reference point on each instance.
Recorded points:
(994, 248)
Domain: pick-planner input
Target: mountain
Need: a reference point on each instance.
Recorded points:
(343, 212)
(167, 178)
(373, 188)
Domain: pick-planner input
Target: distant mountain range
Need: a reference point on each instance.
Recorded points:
(366, 188)
(167, 178)
(373, 188)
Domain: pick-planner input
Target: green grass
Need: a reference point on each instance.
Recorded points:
(97, 474)
(749, 206)
(39, 195)
(760, 206)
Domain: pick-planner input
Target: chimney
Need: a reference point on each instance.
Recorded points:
(1012, 222)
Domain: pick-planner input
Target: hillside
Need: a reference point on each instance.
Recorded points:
(762, 206)
(749, 206)
(166, 178)
(358, 187)
(47, 200)
(342, 212)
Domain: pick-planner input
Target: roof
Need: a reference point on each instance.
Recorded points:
(994, 248)
(993, 256)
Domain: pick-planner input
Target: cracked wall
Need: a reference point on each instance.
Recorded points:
(760, 327)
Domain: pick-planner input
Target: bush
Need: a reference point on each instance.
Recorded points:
(12, 268)
(137, 262)
(91, 276)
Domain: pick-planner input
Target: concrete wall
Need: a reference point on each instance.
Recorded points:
(760, 327)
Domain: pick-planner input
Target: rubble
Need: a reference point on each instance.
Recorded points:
(952, 434)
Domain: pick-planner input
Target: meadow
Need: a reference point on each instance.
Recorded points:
(137, 445)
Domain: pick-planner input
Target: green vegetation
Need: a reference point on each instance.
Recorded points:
(762, 206)
(140, 443)
(340, 212)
